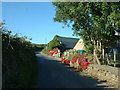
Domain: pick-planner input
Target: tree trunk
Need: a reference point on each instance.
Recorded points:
(100, 49)
(95, 53)
(114, 58)
(103, 53)
(108, 61)
(98, 62)
(97, 59)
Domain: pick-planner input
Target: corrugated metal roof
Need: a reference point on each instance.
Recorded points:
(68, 42)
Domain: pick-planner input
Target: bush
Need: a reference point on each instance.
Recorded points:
(45, 51)
(54, 43)
(19, 62)
(75, 59)
(69, 54)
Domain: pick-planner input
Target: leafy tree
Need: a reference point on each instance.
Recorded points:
(95, 22)
(38, 47)
(54, 43)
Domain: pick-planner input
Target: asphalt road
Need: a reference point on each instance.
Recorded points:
(53, 74)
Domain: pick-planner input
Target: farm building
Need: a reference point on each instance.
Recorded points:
(79, 45)
(67, 43)
(64, 43)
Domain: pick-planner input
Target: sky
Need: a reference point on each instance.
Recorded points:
(34, 20)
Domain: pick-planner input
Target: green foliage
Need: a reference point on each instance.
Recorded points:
(45, 51)
(18, 60)
(116, 63)
(95, 22)
(51, 45)
(68, 54)
(38, 47)
(54, 43)
(89, 48)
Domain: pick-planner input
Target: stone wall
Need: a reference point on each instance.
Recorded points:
(104, 73)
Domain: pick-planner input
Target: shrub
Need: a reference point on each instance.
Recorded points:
(19, 62)
(75, 59)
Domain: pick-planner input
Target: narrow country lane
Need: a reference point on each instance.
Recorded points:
(53, 74)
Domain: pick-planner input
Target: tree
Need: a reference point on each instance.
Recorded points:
(54, 43)
(95, 22)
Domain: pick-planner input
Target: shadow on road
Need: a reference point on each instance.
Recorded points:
(53, 74)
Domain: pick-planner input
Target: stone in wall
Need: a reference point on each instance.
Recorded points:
(104, 73)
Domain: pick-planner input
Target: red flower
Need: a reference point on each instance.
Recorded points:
(84, 64)
(84, 59)
(74, 59)
(84, 67)
(55, 52)
(63, 61)
(51, 53)
(48, 50)
(79, 69)
(67, 62)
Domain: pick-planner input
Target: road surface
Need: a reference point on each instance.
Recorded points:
(53, 74)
